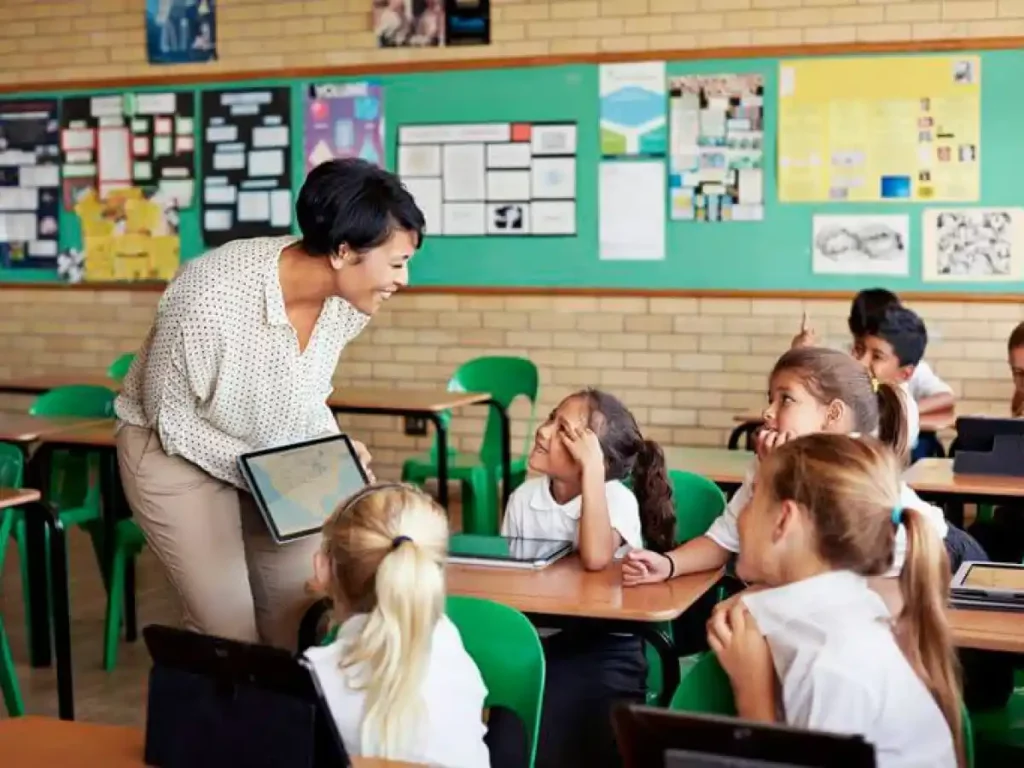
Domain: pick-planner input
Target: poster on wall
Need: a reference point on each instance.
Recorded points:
(344, 120)
(972, 244)
(247, 164)
(850, 130)
(861, 245)
(467, 22)
(633, 109)
(409, 23)
(716, 170)
(29, 184)
(181, 31)
(497, 179)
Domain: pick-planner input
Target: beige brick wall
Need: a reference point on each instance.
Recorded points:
(685, 365)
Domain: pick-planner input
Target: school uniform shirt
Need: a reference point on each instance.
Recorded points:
(220, 373)
(913, 414)
(451, 733)
(724, 531)
(925, 383)
(533, 513)
(841, 670)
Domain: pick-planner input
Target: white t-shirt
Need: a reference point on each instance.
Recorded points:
(913, 415)
(452, 731)
(925, 383)
(533, 513)
(725, 533)
(841, 670)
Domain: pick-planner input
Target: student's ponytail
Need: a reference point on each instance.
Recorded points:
(654, 497)
(922, 628)
(892, 419)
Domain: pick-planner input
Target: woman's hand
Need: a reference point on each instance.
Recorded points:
(767, 440)
(641, 566)
(583, 446)
(744, 654)
(363, 454)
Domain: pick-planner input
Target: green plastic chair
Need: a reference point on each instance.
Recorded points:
(12, 466)
(505, 378)
(1002, 729)
(119, 368)
(129, 542)
(508, 653)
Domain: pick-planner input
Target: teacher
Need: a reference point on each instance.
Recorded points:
(240, 357)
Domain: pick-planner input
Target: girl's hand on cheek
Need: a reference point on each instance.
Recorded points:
(768, 440)
(583, 446)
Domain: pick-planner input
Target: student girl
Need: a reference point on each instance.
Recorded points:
(583, 452)
(397, 679)
(822, 522)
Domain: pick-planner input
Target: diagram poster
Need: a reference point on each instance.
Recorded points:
(633, 109)
(717, 147)
(181, 31)
(871, 129)
(344, 120)
(972, 245)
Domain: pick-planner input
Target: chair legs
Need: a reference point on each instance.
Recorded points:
(115, 607)
(8, 678)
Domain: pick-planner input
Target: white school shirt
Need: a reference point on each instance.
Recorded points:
(533, 513)
(913, 415)
(841, 670)
(724, 531)
(451, 733)
(220, 372)
(925, 383)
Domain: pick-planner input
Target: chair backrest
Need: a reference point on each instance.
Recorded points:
(119, 368)
(698, 502)
(508, 653)
(705, 688)
(12, 471)
(505, 378)
(83, 400)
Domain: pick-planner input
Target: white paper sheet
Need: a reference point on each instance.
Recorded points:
(217, 221)
(140, 126)
(17, 227)
(143, 171)
(106, 106)
(79, 171)
(42, 248)
(140, 146)
(17, 157)
(78, 156)
(216, 133)
(180, 192)
(557, 217)
(184, 125)
(459, 132)
(417, 160)
(80, 138)
(155, 104)
(465, 219)
(281, 208)
(554, 178)
(861, 244)
(267, 162)
(508, 186)
(464, 174)
(161, 146)
(515, 155)
(508, 219)
(115, 155)
(39, 176)
(18, 199)
(631, 210)
(220, 195)
(163, 126)
(270, 136)
(228, 161)
(553, 139)
(253, 206)
(184, 144)
(427, 194)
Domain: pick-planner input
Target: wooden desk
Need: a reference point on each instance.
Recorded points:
(935, 477)
(725, 467)
(22, 428)
(427, 404)
(37, 385)
(15, 497)
(28, 742)
(988, 630)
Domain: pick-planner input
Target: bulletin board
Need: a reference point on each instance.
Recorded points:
(773, 253)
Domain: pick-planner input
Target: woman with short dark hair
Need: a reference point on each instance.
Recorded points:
(240, 357)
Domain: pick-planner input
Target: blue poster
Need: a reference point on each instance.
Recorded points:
(181, 31)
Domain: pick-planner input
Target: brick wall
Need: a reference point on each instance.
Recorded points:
(684, 365)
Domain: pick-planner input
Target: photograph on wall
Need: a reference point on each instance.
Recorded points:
(716, 147)
(467, 22)
(633, 107)
(972, 244)
(499, 179)
(181, 31)
(861, 245)
(29, 184)
(408, 23)
(344, 120)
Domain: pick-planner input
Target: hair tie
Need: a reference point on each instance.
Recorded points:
(399, 541)
(897, 515)
(875, 384)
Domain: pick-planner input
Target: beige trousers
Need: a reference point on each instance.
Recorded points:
(233, 579)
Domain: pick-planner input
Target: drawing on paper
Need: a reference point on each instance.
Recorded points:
(982, 244)
(861, 245)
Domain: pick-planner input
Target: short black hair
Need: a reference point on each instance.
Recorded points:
(353, 202)
(869, 305)
(1016, 338)
(904, 330)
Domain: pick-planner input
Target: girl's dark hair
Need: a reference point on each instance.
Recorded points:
(627, 455)
(829, 375)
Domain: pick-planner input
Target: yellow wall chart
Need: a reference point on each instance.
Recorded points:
(880, 129)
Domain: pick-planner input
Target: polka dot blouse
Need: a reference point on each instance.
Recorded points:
(220, 373)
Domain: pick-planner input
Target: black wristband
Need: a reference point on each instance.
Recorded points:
(671, 566)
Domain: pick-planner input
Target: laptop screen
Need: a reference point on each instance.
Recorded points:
(299, 486)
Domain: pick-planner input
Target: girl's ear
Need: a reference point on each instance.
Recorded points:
(788, 519)
(321, 572)
(835, 416)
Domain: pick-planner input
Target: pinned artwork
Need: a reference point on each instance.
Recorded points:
(633, 106)
(344, 120)
(497, 179)
(862, 245)
(409, 23)
(973, 244)
(181, 31)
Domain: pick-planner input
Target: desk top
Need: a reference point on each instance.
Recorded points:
(719, 465)
(14, 497)
(98, 434)
(37, 385)
(930, 422)
(936, 476)
(42, 741)
(566, 589)
(402, 400)
(22, 428)
(988, 630)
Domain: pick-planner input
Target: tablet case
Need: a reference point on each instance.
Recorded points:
(987, 446)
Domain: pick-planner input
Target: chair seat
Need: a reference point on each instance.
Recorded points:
(1002, 726)
(460, 465)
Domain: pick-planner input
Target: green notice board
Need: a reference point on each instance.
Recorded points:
(773, 254)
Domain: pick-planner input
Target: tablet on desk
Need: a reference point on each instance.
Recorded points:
(989, 583)
(505, 551)
(296, 487)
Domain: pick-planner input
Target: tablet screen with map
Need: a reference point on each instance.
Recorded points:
(296, 487)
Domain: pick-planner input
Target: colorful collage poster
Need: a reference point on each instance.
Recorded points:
(181, 31)
(633, 109)
(344, 120)
(716, 171)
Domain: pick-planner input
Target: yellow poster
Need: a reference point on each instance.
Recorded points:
(870, 129)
